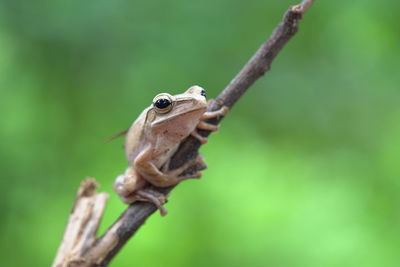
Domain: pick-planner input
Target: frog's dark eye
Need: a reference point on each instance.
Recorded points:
(203, 92)
(162, 103)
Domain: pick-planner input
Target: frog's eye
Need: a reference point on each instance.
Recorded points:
(203, 92)
(162, 103)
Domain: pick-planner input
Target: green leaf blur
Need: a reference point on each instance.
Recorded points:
(304, 171)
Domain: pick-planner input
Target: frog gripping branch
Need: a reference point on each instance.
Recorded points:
(158, 161)
(154, 138)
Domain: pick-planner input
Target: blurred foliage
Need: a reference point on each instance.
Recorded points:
(304, 171)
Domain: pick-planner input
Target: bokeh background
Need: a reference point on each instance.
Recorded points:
(304, 171)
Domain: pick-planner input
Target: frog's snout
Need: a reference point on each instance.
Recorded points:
(196, 90)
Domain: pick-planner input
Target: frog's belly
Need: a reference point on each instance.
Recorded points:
(165, 156)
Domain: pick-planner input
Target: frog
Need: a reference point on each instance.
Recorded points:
(155, 136)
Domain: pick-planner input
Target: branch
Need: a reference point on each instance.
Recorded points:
(99, 252)
(82, 226)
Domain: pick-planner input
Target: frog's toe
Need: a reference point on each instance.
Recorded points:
(216, 114)
(196, 175)
(199, 162)
(129, 199)
(194, 168)
(203, 140)
(158, 199)
(190, 175)
(207, 126)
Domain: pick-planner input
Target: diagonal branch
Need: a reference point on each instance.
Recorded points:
(101, 252)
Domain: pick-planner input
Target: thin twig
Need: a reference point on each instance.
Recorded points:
(108, 245)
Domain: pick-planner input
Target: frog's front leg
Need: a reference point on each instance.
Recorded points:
(214, 114)
(146, 167)
(203, 125)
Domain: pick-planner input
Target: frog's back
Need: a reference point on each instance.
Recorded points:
(134, 140)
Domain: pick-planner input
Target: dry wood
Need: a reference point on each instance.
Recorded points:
(80, 246)
(80, 234)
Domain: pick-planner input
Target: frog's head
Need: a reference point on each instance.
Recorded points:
(186, 108)
(190, 101)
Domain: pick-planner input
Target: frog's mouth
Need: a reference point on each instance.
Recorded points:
(180, 114)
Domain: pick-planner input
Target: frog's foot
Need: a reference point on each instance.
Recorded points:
(215, 114)
(165, 177)
(189, 170)
(192, 168)
(203, 125)
(152, 196)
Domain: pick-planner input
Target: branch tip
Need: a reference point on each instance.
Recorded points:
(88, 187)
(302, 7)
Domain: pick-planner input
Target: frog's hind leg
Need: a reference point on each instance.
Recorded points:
(152, 196)
(128, 182)
(147, 195)
(159, 199)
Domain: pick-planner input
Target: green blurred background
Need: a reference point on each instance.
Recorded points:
(304, 171)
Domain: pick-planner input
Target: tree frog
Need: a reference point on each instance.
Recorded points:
(153, 139)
